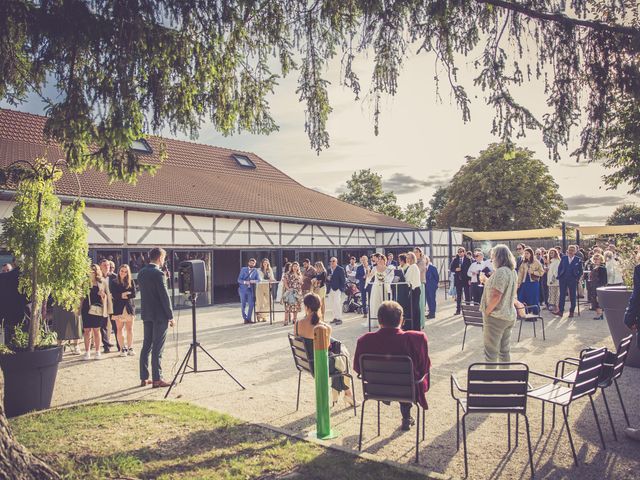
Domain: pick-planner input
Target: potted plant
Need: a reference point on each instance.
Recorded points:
(51, 250)
(614, 300)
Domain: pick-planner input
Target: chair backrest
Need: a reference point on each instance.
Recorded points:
(492, 390)
(588, 372)
(472, 315)
(621, 356)
(300, 354)
(388, 377)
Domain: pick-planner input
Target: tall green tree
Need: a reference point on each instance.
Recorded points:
(627, 214)
(504, 188)
(126, 68)
(436, 205)
(417, 214)
(364, 189)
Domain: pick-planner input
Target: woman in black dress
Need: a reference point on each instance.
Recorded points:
(124, 309)
(93, 313)
(597, 278)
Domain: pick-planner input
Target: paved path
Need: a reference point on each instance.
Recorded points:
(259, 357)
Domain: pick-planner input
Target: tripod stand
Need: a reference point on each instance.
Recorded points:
(193, 351)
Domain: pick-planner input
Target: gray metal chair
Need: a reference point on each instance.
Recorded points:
(564, 390)
(532, 318)
(492, 390)
(472, 317)
(389, 378)
(303, 360)
(612, 370)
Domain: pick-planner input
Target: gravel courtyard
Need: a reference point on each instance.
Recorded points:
(259, 356)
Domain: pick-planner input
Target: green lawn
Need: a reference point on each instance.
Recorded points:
(170, 440)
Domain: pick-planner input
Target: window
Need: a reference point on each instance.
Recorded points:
(141, 145)
(243, 161)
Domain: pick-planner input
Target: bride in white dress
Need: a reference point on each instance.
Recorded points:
(380, 279)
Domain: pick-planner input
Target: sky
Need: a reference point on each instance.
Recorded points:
(421, 144)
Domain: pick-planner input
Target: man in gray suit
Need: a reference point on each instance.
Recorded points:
(157, 316)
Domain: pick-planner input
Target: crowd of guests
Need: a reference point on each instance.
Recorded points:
(544, 278)
(411, 280)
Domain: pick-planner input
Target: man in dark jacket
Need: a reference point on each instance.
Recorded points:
(460, 268)
(157, 316)
(569, 274)
(336, 282)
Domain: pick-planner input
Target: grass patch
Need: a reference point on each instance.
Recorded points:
(171, 440)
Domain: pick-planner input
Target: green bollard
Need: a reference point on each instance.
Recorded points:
(321, 342)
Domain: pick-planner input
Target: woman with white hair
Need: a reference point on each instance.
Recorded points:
(497, 305)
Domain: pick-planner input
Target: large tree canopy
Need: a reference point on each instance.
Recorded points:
(502, 189)
(364, 189)
(627, 214)
(123, 68)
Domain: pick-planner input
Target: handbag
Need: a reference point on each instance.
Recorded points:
(520, 309)
(96, 309)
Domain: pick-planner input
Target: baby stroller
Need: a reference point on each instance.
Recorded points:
(353, 302)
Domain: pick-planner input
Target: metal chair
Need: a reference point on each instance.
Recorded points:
(582, 382)
(472, 317)
(533, 318)
(491, 390)
(303, 360)
(612, 370)
(389, 378)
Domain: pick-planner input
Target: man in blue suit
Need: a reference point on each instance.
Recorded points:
(336, 282)
(246, 285)
(361, 277)
(433, 278)
(569, 273)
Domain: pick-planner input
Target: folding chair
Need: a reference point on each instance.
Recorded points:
(303, 360)
(582, 382)
(533, 318)
(491, 390)
(472, 317)
(389, 378)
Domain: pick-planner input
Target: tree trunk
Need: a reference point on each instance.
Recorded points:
(16, 463)
(34, 325)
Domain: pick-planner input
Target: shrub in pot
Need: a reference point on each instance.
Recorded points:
(51, 250)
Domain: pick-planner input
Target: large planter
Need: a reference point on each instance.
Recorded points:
(29, 378)
(614, 301)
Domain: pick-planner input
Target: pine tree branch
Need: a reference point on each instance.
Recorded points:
(564, 19)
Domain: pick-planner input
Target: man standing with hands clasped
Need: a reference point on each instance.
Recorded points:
(246, 286)
(157, 316)
(569, 274)
(460, 267)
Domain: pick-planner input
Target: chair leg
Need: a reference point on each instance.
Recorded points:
(457, 426)
(353, 392)
(542, 322)
(624, 410)
(417, 434)
(565, 414)
(553, 418)
(542, 422)
(424, 414)
(517, 428)
(361, 424)
(378, 418)
(519, 330)
(298, 399)
(464, 337)
(464, 445)
(595, 415)
(534, 329)
(508, 432)
(526, 420)
(606, 405)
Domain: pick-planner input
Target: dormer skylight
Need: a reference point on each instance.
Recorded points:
(141, 145)
(243, 161)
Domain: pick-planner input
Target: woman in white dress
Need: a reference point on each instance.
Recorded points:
(380, 279)
(614, 271)
(263, 290)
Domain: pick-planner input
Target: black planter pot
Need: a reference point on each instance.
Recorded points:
(29, 378)
(614, 301)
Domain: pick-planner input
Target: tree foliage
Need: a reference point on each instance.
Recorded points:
(436, 204)
(364, 189)
(49, 243)
(502, 189)
(126, 68)
(416, 214)
(627, 214)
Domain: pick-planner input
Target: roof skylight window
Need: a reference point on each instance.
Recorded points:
(141, 145)
(243, 161)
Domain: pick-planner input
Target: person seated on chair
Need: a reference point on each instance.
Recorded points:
(390, 339)
(304, 329)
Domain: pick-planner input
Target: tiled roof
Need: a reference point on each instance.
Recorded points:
(193, 176)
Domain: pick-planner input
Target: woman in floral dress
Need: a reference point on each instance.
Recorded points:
(292, 296)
